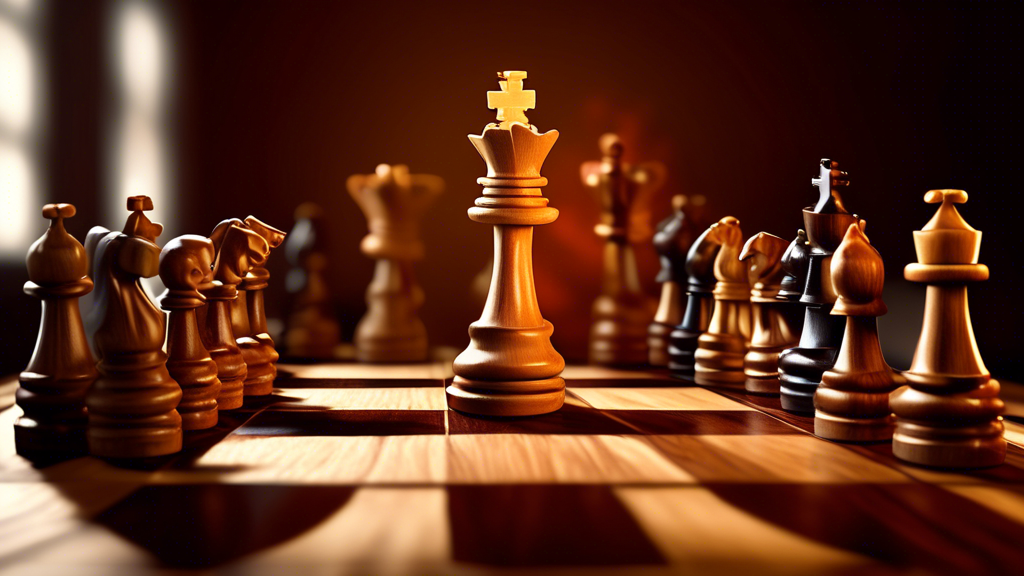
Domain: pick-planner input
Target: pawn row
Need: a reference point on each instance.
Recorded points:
(765, 317)
(137, 399)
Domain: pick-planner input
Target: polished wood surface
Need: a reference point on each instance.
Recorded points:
(132, 404)
(62, 368)
(801, 367)
(721, 349)
(312, 330)
(186, 263)
(949, 414)
(774, 325)
(238, 250)
(622, 313)
(510, 367)
(700, 302)
(852, 402)
(672, 241)
(393, 201)
(667, 477)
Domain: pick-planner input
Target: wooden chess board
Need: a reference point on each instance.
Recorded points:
(356, 469)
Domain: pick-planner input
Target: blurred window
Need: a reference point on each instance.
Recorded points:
(19, 101)
(139, 63)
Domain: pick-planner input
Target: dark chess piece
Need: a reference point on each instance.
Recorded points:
(720, 349)
(393, 201)
(53, 385)
(510, 367)
(312, 331)
(249, 319)
(186, 263)
(238, 250)
(700, 303)
(672, 241)
(132, 403)
(622, 313)
(775, 322)
(801, 367)
(852, 401)
(949, 414)
(795, 262)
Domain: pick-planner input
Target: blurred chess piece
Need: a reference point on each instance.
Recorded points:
(852, 401)
(393, 201)
(720, 350)
(700, 303)
(775, 322)
(801, 367)
(622, 313)
(132, 405)
(949, 414)
(238, 250)
(312, 331)
(186, 262)
(672, 242)
(249, 318)
(510, 367)
(53, 385)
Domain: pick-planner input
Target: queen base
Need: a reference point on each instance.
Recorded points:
(260, 370)
(145, 437)
(971, 447)
(719, 360)
(522, 398)
(846, 429)
(761, 367)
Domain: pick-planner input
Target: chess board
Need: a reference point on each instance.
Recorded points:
(349, 468)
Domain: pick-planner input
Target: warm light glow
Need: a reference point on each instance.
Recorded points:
(18, 95)
(16, 82)
(17, 195)
(139, 58)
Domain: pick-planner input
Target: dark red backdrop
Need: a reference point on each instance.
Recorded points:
(279, 102)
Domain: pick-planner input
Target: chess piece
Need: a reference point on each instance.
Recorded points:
(718, 360)
(238, 250)
(672, 241)
(482, 283)
(801, 367)
(795, 261)
(700, 302)
(393, 201)
(249, 319)
(622, 313)
(88, 304)
(53, 385)
(852, 401)
(132, 404)
(510, 367)
(775, 324)
(949, 414)
(312, 331)
(186, 263)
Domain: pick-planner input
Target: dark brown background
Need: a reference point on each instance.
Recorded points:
(278, 102)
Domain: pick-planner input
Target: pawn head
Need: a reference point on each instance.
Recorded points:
(186, 262)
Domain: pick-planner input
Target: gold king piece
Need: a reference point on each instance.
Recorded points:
(510, 367)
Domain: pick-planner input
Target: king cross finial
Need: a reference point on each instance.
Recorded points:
(512, 102)
(829, 180)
